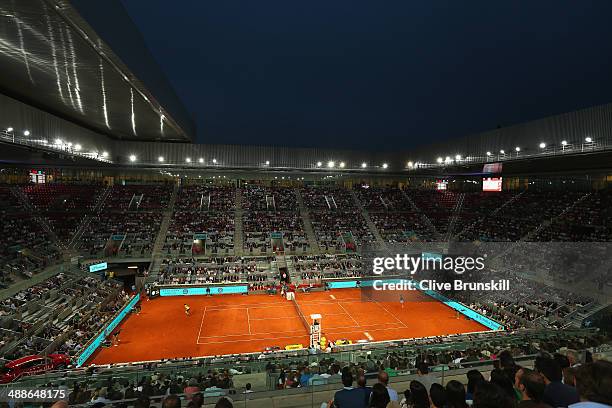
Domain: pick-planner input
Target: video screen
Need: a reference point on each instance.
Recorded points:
(441, 184)
(492, 184)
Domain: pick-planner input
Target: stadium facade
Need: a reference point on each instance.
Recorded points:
(88, 108)
(70, 81)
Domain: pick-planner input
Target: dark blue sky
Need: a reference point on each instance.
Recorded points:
(376, 74)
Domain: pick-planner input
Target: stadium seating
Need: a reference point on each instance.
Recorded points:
(60, 314)
(336, 218)
(25, 246)
(205, 210)
(269, 210)
(128, 222)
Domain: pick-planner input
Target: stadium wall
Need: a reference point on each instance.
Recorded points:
(43, 125)
(254, 156)
(573, 127)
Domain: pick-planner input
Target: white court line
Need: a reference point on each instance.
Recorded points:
(243, 305)
(345, 333)
(236, 341)
(396, 318)
(248, 319)
(201, 324)
(368, 327)
(247, 306)
(348, 314)
(276, 318)
(293, 317)
(245, 334)
(332, 296)
(368, 336)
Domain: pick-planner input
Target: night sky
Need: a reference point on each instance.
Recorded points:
(376, 74)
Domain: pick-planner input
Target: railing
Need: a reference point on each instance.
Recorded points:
(51, 146)
(306, 395)
(258, 362)
(564, 149)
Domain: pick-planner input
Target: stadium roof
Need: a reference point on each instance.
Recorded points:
(54, 60)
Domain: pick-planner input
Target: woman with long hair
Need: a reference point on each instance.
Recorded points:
(455, 395)
(379, 397)
(419, 398)
(474, 377)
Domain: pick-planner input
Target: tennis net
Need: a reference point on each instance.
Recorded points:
(301, 315)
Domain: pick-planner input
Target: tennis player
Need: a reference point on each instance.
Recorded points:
(402, 300)
(187, 310)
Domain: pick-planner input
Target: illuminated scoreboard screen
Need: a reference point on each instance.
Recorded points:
(441, 184)
(492, 184)
(38, 176)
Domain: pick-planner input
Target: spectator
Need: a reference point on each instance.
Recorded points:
(489, 395)
(419, 397)
(383, 378)
(197, 400)
(305, 377)
(455, 395)
(224, 402)
(142, 402)
(507, 364)
(425, 377)
(594, 384)
(191, 388)
(556, 393)
(475, 377)
(500, 378)
(531, 386)
(348, 397)
(171, 401)
(380, 397)
(362, 386)
(438, 397)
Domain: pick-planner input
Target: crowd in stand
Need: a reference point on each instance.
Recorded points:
(205, 211)
(526, 303)
(63, 206)
(256, 271)
(25, 246)
(526, 213)
(336, 218)
(128, 222)
(211, 383)
(65, 307)
(562, 375)
(317, 267)
(554, 382)
(272, 221)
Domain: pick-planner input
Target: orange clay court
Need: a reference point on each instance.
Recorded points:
(229, 324)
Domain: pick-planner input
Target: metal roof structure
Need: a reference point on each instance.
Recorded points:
(52, 59)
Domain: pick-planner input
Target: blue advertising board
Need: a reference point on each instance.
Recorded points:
(201, 290)
(93, 346)
(98, 267)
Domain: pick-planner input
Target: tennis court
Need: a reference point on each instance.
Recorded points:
(240, 324)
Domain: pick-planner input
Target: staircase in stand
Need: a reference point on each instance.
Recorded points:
(493, 213)
(238, 227)
(23, 198)
(424, 217)
(369, 222)
(534, 232)
(546, 223)
(165, 223)
(308, 229)
(456, 211)
(158, 247)
(87, 219)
